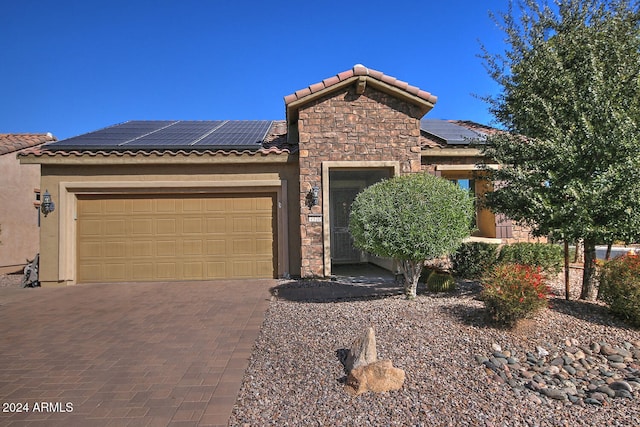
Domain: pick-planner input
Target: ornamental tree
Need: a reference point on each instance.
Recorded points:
(411, 218)
(570, 101)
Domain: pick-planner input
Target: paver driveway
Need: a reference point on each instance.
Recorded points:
(127, 353)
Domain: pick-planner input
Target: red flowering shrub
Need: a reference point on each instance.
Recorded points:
(513, 291)
(620, 287)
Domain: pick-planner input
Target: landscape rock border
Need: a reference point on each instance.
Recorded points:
(571, 372)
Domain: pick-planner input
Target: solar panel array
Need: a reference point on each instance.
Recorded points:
(451, 133)
(172, 135)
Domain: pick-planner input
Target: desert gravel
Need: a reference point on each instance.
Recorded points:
(295, 377)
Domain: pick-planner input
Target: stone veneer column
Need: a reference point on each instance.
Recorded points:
(345, 126)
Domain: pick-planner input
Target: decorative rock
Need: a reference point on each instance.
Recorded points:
(592, 401)
(378, 377)
(615, 358)
(573, 399)
(558, 361)
(541, 352)
(363, 351)
(620, 385)
(606, 390)
(607, 350)
(578, 355)
(620, 366)
(496, 347)
(595, 347)
(535, 399)
(554, 393)
(623, 352)
(480, 359)
(624, 393)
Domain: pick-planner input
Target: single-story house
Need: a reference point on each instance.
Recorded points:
(198, 200)
(19, 233)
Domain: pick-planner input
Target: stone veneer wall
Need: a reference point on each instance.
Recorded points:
(345, 126)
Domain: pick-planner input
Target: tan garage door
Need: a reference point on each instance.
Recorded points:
(169, 238)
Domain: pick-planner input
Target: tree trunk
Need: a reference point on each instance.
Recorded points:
(579, 255)
(607, 256)
(411, 271)
(567, 285)
(589, 274)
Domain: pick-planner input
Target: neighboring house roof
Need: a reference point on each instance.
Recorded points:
(362, 75)
(11, 142)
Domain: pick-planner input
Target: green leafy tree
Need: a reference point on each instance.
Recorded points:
(570, 101)
(411, 218)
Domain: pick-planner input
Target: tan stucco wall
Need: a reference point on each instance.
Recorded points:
(65, 181)
(19, 235)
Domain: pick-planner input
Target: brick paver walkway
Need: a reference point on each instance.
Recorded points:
(142, 354)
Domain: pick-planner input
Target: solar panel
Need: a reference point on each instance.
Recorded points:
(177, 135)
(237, 134)
(451, 133)
(172, 135)
(111, 136)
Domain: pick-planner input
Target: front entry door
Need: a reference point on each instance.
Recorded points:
(342, 248)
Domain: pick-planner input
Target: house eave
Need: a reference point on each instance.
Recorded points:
(157, 158)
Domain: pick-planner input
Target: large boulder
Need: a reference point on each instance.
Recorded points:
(378, 377)
(363, 351)
(366, 372)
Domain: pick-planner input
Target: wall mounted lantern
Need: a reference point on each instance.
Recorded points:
(47, 206)
(313, 197)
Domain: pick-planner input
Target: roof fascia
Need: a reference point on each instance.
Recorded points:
(157, 159)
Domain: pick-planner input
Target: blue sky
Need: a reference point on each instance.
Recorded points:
(71, 67)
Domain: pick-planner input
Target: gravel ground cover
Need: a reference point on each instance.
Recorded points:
(295, 377)
(10, 280)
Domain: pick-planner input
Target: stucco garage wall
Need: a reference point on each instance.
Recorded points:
(65, 181)
(19, 235)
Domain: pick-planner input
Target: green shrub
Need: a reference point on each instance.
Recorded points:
(440, 282)
(513, 291)
(548, 257)
(473, 259)
(620, 287)
(411, 218)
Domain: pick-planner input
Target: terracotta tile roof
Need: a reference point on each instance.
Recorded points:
(478, 127)
(11, 142)
(274, 143)
(360, 70)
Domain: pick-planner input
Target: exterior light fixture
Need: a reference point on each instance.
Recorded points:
(47, 206)
(313, 197)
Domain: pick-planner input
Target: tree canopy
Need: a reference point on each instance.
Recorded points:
(411, 218)
(570, 103)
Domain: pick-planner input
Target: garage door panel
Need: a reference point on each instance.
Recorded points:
(166, 206)
(165, 271)
(192, 247)
(243, 225)
(175, 237)
(217, 225)
(192, 225)
(141, 206)
(166, 226)
(142, 271)
(142, 248)
(114, 249)
(142, 227)
(166, 248)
